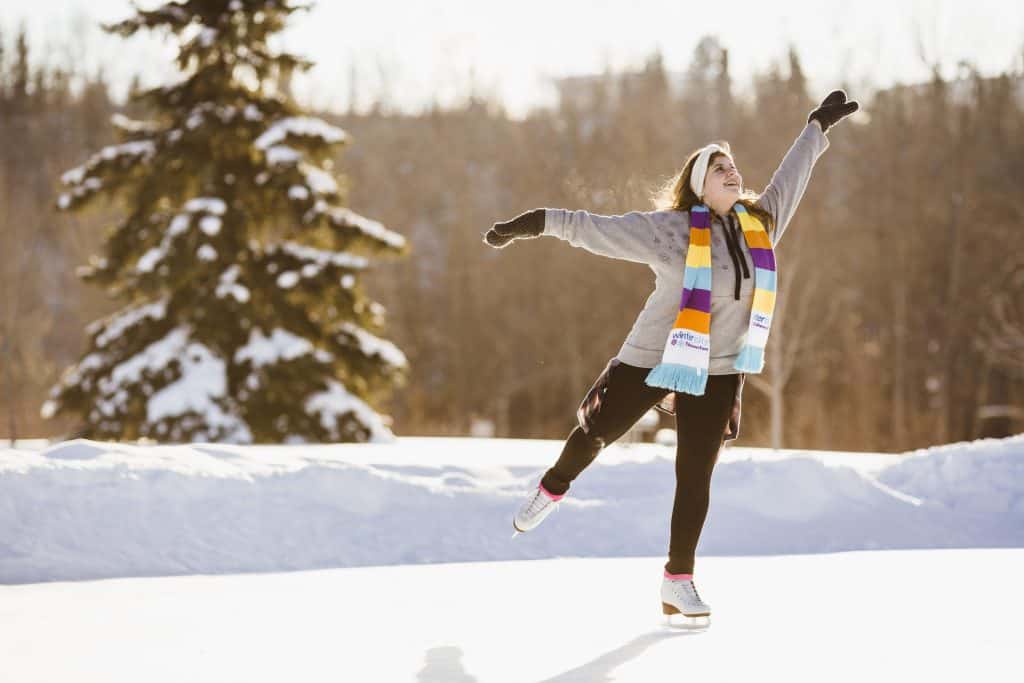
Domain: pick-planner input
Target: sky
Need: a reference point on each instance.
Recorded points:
(416, 52)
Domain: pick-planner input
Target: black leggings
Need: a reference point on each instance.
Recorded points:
(700, 428)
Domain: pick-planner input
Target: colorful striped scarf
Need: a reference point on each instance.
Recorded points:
(684, 363)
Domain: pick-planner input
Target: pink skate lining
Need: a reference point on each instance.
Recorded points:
(551, 495)
(678, 577)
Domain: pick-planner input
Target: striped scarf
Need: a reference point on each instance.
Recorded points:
(684, 363)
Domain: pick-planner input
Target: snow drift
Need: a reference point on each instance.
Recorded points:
(87, 510)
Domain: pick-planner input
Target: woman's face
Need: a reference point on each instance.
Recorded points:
(722, 184)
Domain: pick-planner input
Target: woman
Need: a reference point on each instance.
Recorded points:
(711, 241)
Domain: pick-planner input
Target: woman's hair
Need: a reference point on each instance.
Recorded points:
(677, 194)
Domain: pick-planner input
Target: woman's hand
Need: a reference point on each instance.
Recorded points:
(832, 109)
(524, 226)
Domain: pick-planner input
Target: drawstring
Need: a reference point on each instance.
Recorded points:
(738, 261)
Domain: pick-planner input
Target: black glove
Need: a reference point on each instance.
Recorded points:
(832, 109)
(524, 226)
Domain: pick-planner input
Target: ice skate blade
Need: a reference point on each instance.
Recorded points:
(680, 623)
(675, 619)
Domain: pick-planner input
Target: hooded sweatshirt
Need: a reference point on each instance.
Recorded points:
(660, 239)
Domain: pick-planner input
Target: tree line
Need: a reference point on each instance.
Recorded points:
(899, 324)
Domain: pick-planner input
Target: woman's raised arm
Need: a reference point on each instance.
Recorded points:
(789, 181)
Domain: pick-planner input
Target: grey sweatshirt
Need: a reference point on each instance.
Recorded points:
(660, 239)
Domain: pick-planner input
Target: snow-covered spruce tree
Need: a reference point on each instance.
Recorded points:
(238, 264)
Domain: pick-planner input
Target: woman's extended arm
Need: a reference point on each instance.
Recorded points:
(789, 181)
(630, 236)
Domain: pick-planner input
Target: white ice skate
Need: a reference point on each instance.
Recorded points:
(537, 507)
(679, 597)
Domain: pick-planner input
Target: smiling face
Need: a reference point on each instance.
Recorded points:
(722, 184)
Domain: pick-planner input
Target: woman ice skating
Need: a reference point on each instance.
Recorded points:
(710, 244)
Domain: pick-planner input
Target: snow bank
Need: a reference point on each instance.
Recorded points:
(84, 509)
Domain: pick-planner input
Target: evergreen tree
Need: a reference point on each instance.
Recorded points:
(244, 318)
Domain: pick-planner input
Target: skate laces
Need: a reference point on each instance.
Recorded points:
(689, 589)
(537, 503)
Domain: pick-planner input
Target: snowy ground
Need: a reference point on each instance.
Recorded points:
(88, 510)
(923, 615)
(373, 561)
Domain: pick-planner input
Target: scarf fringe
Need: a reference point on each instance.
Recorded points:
(751, 359)
(682, 378)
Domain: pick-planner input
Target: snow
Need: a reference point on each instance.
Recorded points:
(200, 389)
(372, 345)
(392, 562)
(345, 218)
(321, 257)
(336, 401)
(201, 386)
(281, 154)
(214, 205)
(228, 284)
(844, 617)
(149, 260)
(287, 279)
(207, 36)
(136, 150)
(73, 176)
(151, 359)
(117, 324)
(281, 345)
(299, 192)
(133, 126)
(428, 500)
(179, 224)
(206, 253)
(74, 374)
(320, 181)
(302, 127)
(210, 225)
(252, 113)
(48, 409)
(315, 260)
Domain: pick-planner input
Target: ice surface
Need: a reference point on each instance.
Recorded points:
(844, 618)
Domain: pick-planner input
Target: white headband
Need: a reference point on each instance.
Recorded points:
(700, 169)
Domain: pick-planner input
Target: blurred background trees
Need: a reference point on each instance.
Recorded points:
(902, 277)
